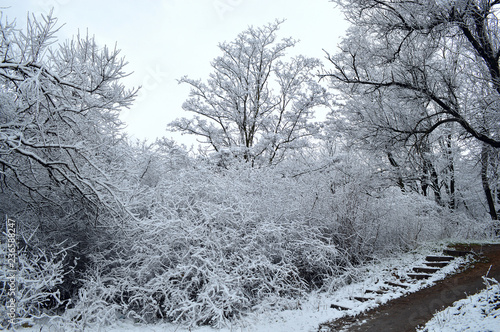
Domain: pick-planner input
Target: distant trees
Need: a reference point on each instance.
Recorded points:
(254, 105)
(421, 74)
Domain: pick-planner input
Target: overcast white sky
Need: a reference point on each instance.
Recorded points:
(165, 39)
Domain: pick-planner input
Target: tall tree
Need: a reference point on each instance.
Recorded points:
(255, 105)
(442, 54)
(412, 68)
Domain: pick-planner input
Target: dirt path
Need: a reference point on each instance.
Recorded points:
(407, 313)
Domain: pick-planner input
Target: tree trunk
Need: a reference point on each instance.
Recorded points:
(434, 181)
(486, 184)
(393, 162)
(430, 176)
(451, 170)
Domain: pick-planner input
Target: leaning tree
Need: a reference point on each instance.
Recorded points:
(61, 157)
(59, 121)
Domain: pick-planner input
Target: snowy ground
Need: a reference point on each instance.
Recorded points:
(316, 309)
(478, 312)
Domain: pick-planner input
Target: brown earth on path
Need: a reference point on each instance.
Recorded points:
(413, 310)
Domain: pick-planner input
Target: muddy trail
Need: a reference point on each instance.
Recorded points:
(413, 310)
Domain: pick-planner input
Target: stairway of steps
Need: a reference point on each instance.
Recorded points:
(432, 264)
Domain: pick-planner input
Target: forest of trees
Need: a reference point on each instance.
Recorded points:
(274, 203)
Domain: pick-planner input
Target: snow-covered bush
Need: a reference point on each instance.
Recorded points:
(32, 283)
(368, 216)
(94, 306)
(218, 244)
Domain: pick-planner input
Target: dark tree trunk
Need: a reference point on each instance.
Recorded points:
(486, 184)
(434, 181)
(430, 176)
(393, 162)
(451, 170)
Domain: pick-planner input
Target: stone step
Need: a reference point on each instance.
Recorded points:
(439, 258)
(393, 284)
(436, 264)
(375, 291)
(339, 307)
(362, 299)
(419, 276)
(456, 253)
(425, 269)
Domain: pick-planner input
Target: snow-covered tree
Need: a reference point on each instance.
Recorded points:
(62, 157)
(419, 72)
(254, 105)
(440, 56)
(58, 119)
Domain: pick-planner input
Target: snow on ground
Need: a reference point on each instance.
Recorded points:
(316, 309)
(478, 312)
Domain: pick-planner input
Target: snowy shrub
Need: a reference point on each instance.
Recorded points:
(458, 226)
(94, 306)
(370, 216)
(36, 278)
(400, 221)
(218, 244)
